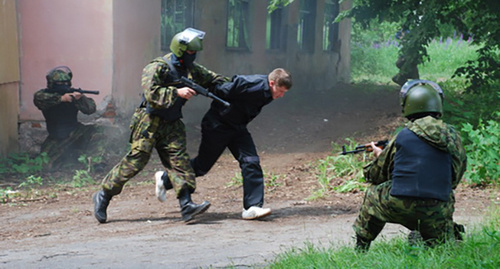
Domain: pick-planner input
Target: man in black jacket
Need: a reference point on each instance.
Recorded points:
(226, 127)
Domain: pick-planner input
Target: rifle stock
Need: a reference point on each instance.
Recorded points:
(366, 147)
(200, 90)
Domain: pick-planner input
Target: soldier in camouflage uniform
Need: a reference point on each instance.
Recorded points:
(413, 178)
(407, 64)
(157, 124)
(68, 138)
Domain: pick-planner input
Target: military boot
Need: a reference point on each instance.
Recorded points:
(458, 231)
(188, 208)
(101, 201)
(415, 238)
(362, 245)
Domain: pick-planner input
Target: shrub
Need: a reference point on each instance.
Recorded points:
(481, 145)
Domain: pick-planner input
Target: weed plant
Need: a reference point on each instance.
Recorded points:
(340, 173)
(23, 163)
(236, 181)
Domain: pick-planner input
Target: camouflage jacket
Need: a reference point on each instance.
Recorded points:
(436, 133)
(160, 89)
(45, 101)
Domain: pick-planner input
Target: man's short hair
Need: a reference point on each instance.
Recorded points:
(281, 77)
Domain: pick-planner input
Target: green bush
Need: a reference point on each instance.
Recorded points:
(23, 163)
(465, 107)
(481, 145)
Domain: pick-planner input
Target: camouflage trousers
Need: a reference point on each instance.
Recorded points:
(169, 140)
(405, 73)
(85, 139)
(432, 218)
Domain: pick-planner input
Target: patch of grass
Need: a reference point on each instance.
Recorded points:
(374, 61)
(6, 194)
(272, 181)
(236, 181)
(478, 250)
(340, 173)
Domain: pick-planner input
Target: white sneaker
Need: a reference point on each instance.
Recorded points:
(161, 192)
(255, 212)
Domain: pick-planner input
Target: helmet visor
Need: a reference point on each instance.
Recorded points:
(192, 38)
(412, 83)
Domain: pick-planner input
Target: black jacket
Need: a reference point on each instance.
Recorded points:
(247, 95)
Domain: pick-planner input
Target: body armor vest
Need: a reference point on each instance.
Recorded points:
(420, 170)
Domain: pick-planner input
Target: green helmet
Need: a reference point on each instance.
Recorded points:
(60, 75)
(189, 39)
(420, 96)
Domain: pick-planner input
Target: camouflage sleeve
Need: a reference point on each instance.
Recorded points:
(86, 105)
(154, 85)
(44, 100)
(459, 158)
(380, 170)
(206, 78)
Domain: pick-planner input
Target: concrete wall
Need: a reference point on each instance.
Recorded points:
(75, 33)
(9, 78)
(136, 41)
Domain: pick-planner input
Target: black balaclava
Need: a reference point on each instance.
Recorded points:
(188, 59)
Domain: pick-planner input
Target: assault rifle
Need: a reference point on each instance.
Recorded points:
(200, 90)
(71, 90)
(366, 147)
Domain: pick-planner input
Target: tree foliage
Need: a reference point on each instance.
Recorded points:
(423, 21)
(274, 4)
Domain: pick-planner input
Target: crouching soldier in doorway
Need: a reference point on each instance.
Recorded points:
(413, 178)
(60, 104)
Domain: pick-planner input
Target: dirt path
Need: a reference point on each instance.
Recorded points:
(59, 230)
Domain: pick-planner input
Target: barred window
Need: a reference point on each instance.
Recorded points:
(176, 15)
(275, 32)
(330, 27)
(237, 24)
(305, 32)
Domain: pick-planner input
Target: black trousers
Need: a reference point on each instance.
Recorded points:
(215, 138)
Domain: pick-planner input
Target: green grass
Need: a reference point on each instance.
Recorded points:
(376, 63)
(339, 173)
(479, 249)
